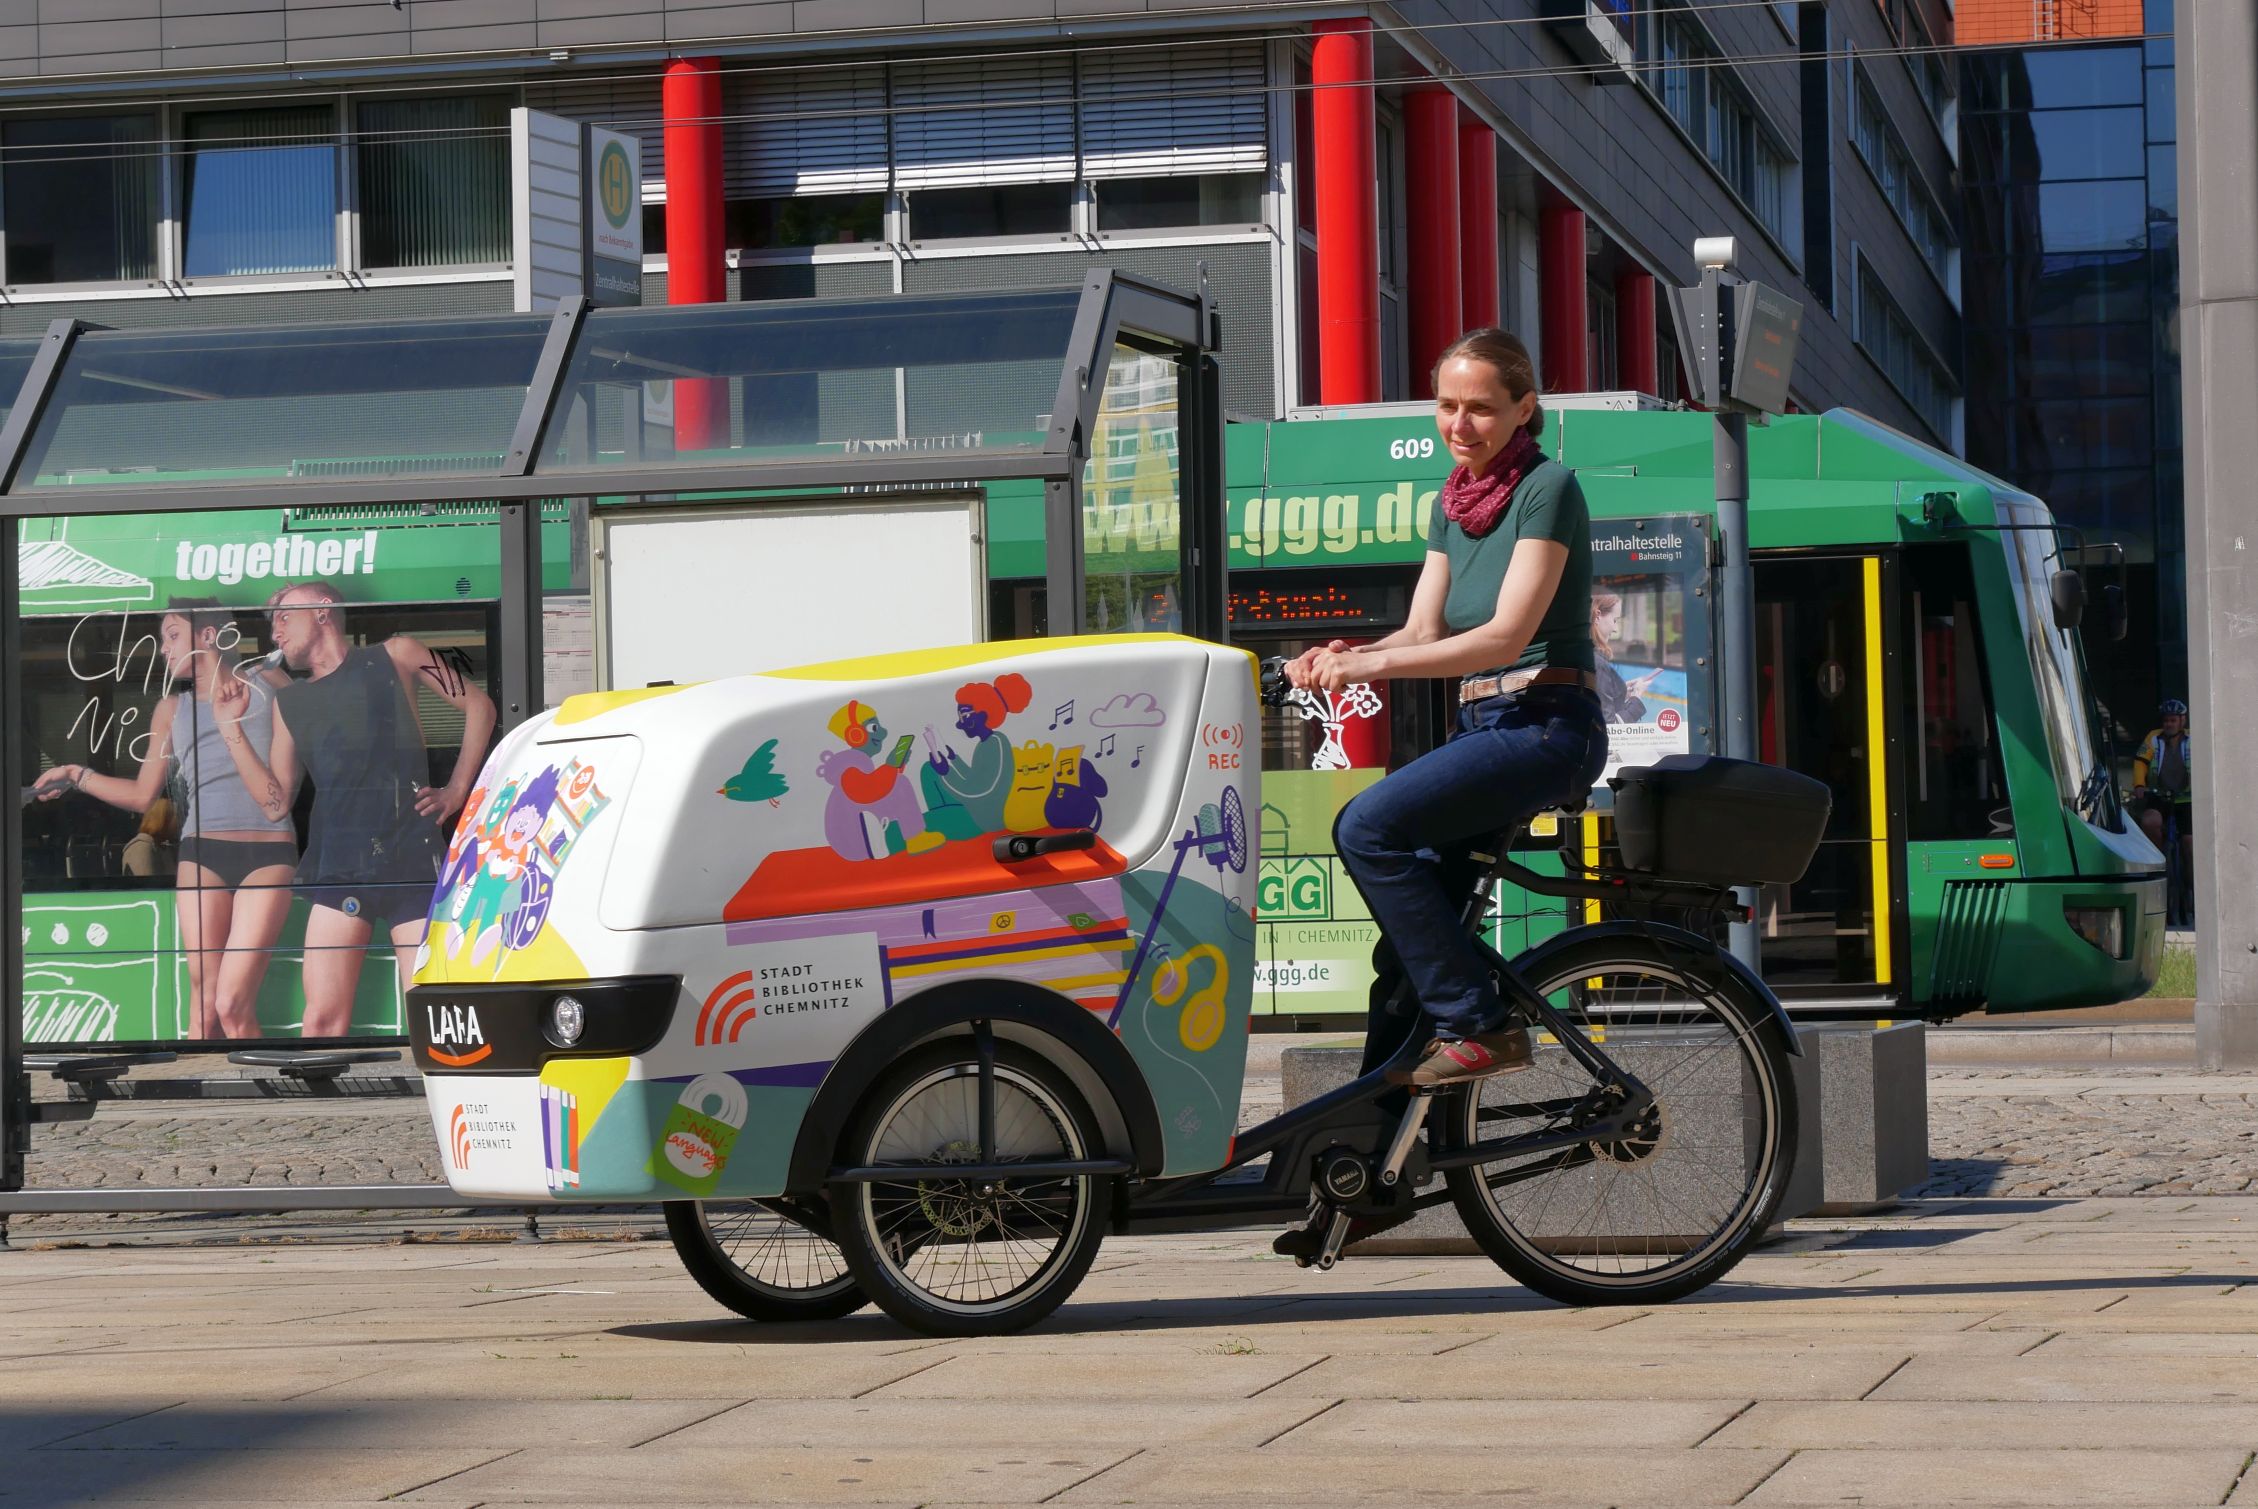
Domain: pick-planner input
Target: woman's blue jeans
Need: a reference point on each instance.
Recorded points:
(1404, 841)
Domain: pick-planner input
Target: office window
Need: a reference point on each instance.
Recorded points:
(1897, 348)
(804, 220)
(1886, 154)
(1688, 78)
(81, 198)
(260, 191)
(434, 181)
(1136, 204)
(1002, 209)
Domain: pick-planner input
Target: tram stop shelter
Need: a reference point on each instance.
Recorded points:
(735, 486)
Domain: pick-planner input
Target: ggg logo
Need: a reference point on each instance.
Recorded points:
(1298, 889)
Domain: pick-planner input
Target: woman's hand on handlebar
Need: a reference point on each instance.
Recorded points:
(1301, 671)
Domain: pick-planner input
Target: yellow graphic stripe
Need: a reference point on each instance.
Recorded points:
(1877, 771)
(585, 705)
(1019, 956)
(956, 657)
(1084, 982)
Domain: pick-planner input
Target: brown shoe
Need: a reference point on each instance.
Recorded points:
(1452, 1061)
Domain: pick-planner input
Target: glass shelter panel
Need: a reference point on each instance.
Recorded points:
(804, 379)
(412, 398)
(246, 738)
(1132, 500)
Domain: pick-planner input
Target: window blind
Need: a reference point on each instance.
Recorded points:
(986, 121)
(820, 132)
(1189, 109)
(627, 105)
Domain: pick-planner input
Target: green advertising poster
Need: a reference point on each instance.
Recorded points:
(145, 924)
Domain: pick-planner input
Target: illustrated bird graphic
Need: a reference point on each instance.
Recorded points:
(758, 781)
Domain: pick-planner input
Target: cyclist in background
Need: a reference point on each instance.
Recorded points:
(2164, 786)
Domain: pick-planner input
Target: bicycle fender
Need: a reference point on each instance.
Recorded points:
(1533, 962)
(1008, 1004)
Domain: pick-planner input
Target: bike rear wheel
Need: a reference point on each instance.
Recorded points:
(1671, 1206)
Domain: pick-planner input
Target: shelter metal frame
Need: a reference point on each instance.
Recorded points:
(1113, 308)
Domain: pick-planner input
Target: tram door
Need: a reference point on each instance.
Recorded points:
(1825, 707)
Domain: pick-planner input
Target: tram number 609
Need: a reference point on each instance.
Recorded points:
(1419, 448)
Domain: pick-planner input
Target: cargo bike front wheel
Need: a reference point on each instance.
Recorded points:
(989, 1250)
(759, 1259)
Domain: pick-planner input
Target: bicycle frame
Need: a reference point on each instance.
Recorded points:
(1352, 1116)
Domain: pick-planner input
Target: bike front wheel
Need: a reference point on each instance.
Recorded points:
(760, 1262)
(1669, 1205)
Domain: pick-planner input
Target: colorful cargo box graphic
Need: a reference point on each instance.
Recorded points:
(868, 871)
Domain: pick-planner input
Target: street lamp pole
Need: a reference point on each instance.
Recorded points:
(1739, 340)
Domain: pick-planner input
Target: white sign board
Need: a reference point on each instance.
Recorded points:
(615, 217)
(547, 259)
(694, 594)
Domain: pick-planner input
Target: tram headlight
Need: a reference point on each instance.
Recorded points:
(2101, 926)
(567, 1019)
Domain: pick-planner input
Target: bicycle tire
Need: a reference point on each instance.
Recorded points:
(1699, 1015)
(771, 1289)
(905, 1239)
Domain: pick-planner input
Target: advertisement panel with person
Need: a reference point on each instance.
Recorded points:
(251, 735)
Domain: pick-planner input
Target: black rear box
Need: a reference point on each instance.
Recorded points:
(1712, 821)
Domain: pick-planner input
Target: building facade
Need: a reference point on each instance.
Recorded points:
(2071, 165)
(1355, 189)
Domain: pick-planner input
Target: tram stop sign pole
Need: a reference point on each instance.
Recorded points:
(1739, 339)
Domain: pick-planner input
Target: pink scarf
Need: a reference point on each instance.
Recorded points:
(1475, 504)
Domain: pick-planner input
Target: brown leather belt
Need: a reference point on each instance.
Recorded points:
(1476, 688)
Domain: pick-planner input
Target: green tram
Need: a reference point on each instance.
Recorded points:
(1909, 656)
(1891, 622)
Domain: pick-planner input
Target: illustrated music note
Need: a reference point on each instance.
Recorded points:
(1140, 759)
(1063, 713)
(1105, 747)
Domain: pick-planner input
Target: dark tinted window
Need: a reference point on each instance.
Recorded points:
(807, 220)
(1004, 209)
(1954, 787)
(81, 198)
(1135, 204)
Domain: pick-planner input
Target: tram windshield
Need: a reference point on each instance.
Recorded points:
(2066, 706)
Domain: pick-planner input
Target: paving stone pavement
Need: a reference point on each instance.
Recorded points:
(2048, 1130)
(1964, 1352)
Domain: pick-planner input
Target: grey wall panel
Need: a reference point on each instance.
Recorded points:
(310, 22)
(92, 12)
(335, 303)
(19, 12)
(226, 55)
(100, 38)
(712, 21)
(237, 27)
(591, 31)
(852, 15)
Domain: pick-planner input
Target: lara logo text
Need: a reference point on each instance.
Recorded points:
(456, 1038)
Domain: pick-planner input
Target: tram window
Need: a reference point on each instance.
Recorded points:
(1954, 787)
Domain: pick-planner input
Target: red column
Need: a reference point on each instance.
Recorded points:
(1560, 297)
(1637, 365)
(1477, 222)
(696, 271)
(1430, 118)
(1348, 226)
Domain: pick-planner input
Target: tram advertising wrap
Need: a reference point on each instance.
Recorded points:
(250, 736)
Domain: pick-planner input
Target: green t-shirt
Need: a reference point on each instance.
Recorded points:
(1548, 505)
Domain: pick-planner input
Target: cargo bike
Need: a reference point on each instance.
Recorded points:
(905, 980)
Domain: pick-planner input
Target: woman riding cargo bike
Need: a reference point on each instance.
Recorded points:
(926, 1052)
